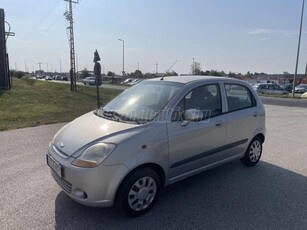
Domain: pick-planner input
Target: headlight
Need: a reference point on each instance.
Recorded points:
(94, 155)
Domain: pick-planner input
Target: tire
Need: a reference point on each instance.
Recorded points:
(253, 153)
(138, 192)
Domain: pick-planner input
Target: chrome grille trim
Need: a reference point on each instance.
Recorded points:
(66, 186)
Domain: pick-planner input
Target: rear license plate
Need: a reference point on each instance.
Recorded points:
(54, 165)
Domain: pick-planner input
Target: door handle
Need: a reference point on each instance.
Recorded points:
(255, 115)
(218, 123)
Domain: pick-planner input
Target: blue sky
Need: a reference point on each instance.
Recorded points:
(228, 35)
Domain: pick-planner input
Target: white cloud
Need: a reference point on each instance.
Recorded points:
(264, 31)
(261, 31)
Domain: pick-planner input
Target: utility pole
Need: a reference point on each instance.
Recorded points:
(123, 41)
(69, 17)
(157, 68)
(25, 65)
(138, 66)
(77, 70)
(40, 66)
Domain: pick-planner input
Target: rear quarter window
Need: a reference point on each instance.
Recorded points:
(239, 97)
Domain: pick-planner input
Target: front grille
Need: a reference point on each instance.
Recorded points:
(66, 186)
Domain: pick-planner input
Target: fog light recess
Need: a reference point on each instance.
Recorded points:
(79, 193)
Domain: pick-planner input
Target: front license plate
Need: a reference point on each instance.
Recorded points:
(54, 165)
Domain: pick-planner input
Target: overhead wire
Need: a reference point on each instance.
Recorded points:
(39, 36)
(41, 21)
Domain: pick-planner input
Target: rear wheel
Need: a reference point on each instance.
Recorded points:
(138, 192)
(253, 152)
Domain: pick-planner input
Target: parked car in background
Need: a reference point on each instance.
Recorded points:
(58, 77)
(269, 88)
(287, 87)
(48, 78)
(64, 78)
(134, 81)
(302, 88)
(154, 134)
(127, 81)
(90, 81)
(304, 95)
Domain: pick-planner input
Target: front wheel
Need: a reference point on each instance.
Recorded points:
(138, 192)
(253, 152)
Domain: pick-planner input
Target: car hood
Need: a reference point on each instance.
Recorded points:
(300, 87)
(87, 130)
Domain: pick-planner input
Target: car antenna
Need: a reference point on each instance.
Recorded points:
(162, 78)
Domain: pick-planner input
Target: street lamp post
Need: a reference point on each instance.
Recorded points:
(60, 65)
(123, 56)
(298, 50)
(26, 65)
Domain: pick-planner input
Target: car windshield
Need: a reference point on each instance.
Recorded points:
(140, 103)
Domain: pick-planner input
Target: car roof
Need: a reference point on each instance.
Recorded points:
(193, 78)
(267, 83)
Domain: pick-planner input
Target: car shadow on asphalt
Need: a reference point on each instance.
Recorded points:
(228, 197)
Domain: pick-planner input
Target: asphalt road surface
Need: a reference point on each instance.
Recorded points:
(272, 195)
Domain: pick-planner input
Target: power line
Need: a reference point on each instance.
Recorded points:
(38, 36)
(43, 19)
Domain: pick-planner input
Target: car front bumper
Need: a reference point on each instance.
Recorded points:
(94, 187)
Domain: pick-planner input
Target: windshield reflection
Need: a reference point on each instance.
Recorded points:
(140, 103)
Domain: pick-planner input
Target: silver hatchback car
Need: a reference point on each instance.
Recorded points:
(153, 134)
(270, 88)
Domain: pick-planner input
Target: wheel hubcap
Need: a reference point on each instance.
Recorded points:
(255, 151)
(142, 193)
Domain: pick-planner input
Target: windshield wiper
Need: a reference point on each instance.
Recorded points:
(113, 115)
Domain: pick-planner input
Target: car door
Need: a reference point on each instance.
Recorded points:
(242, 117)
(196, 144)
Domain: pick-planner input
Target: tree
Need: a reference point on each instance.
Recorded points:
(172, 73)
(84, 73)
(149, 75)
(196, 68)
(213, 73)
(17, 73)
(137, 74)
(110, 74)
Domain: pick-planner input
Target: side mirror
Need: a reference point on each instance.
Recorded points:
(192, 115)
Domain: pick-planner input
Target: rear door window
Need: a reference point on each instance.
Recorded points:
(239, 97)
